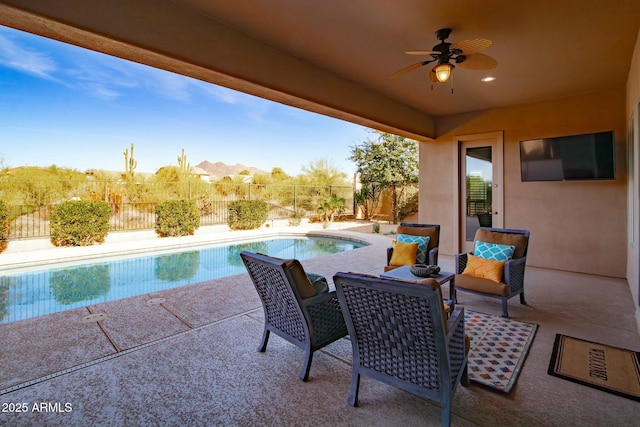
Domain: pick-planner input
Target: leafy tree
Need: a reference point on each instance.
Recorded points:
(322, 172)
(278, 175)
(368, 197)
(390, 162)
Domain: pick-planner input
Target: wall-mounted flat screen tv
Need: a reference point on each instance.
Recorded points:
(568, 158)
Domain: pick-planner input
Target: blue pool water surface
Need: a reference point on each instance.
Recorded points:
(36, 293)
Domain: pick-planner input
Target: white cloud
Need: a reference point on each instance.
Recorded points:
(24, 59)
(110, 78)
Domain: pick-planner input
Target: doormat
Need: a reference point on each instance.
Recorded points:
(611, 369)
(499, 347)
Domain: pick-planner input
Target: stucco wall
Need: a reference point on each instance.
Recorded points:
(577, 226)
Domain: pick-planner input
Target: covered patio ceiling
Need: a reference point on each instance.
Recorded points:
(335, 57)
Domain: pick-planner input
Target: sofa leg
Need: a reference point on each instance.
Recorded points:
(522, 300)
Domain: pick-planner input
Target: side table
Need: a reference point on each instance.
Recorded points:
(404, 273)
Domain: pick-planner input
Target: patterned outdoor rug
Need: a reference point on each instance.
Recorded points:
(611, 369)
(499, 347)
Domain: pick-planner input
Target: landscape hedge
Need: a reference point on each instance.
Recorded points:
(247, 214)
(80, 222)
(177, 218)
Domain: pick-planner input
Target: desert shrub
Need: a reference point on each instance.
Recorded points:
(4, 227)
(296, 217)
(80, 222)
(247, 214)
(177, 218)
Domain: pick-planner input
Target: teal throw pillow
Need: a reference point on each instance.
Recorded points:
(423, 245)
(319, 282)
(494, 251)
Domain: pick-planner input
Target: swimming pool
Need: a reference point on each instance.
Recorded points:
(36, 293)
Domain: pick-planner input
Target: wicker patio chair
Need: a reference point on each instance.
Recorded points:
(421, 230)
(309, 323)
(401, 337)
(511, 282)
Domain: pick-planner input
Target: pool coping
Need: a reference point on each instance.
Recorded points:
(40, 252)
(133, 324)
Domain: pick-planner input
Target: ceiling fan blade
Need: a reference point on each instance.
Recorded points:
(478, 61)
(423, 52)
(410, 68)
(472, 45)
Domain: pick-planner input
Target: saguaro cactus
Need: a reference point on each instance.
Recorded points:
(129, 163)
(185, 167)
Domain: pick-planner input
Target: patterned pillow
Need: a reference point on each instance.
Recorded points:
(484, 268)
(403, 253)
(319, 282)
(423, 245)
(494, 251)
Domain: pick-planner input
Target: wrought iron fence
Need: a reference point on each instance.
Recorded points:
(30, 202)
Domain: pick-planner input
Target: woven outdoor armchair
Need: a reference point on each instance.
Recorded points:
(407, 232)
(400, 336)
(309, 323)
(509, 282)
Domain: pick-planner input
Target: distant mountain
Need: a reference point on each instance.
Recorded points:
(219, 169)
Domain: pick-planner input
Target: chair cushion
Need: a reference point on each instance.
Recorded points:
(308, 285)
(300, 278)
(403, 253)
(432, 232)
(484, 286)
(423, 244)
(517, 240)
(484, 268)
(494, 251)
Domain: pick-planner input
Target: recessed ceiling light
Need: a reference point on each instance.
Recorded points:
(488, 79)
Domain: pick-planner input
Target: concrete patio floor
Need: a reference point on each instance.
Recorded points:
(188, 356)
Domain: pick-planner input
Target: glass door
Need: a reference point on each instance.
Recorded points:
(480, 188)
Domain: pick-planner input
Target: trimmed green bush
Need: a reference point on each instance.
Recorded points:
(177, 218)
(247, 214)
(4, 227)
(80, 222)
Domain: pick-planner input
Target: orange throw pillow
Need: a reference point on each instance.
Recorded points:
(484, 268)
(403, 253)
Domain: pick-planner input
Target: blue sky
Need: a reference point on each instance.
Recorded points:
(63, 105)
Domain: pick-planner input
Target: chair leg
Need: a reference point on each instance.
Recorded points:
(465, 381)
(445, 417)
(355, 387)
(505, 311)
(265, 339)
(304, 373)
(522, 300)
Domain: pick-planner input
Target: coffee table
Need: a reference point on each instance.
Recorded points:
(404, 273)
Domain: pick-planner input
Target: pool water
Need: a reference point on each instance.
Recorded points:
(36, 293)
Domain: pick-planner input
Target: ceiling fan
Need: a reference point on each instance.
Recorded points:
(465, 54)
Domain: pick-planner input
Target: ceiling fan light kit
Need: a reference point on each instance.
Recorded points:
(464, 53)
(443, 72)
